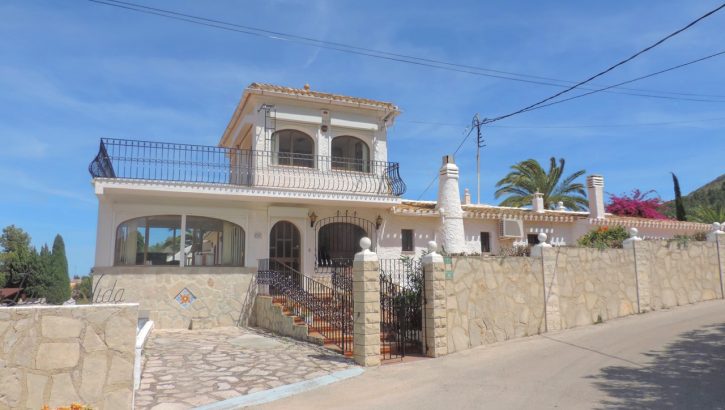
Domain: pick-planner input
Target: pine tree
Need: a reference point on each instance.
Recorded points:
(679, 205)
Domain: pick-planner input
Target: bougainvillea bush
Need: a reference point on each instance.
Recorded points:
(604, 237)
(638, 204)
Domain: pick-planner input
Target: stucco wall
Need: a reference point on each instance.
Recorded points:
(221, 296)
(492, 299)
(679, 273)
(594, 284)
(57, 355)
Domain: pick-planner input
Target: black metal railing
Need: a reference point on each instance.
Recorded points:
(326, 310)
(402, 287)
(339, 270)
(161, 161)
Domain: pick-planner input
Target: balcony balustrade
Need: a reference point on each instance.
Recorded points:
(161, 161)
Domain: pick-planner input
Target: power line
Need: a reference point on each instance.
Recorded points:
(621, 125)
(403, 58)
(607, 70)
(588, 80)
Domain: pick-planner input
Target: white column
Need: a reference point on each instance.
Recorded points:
(449, 206)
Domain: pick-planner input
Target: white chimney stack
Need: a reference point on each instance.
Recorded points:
(537, 204)
(449, 205)
(595, 188)
(466, 197)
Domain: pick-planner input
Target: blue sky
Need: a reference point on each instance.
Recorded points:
(74, 71)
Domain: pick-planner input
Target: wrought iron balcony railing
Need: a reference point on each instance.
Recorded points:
(161, 161)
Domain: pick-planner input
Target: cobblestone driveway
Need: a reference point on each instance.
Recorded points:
(188, 368)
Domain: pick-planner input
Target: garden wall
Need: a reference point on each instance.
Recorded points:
(180, 298)
(493, 299)
(490, 299)
(58, 355)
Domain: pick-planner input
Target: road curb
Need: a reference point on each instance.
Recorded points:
(277, 393)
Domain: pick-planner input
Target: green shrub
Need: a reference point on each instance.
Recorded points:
(604, 237)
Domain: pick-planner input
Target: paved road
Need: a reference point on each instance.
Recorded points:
(664, 359)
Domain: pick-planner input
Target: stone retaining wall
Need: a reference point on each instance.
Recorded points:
(215, 296)
(269, 316)
(492, 299)
(679, 273)
(57, 355)
(594, 285)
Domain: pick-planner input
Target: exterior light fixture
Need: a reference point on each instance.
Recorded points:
(313, 219)
(378, 221)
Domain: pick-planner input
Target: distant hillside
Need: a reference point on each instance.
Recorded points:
(710, 194)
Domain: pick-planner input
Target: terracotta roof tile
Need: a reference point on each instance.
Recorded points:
(317, 94)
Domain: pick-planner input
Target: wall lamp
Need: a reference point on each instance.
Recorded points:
(313, 219)
(378, 221)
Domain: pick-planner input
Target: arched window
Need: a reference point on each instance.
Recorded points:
(292, 147)
(156, 240)
(213, 242)
(350, 154)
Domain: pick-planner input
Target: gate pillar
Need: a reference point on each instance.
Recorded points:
(366, 306)
(435, 319)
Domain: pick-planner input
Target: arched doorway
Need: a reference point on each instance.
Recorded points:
(284, 247)
(338, 239)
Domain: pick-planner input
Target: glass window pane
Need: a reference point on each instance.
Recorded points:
(213, 242)
(153, 240)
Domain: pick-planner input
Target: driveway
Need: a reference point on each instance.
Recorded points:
(188, 368)
(665, 359)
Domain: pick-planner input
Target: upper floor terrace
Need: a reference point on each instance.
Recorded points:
(283, 170)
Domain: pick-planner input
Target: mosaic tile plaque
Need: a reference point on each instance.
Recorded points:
(185, 298)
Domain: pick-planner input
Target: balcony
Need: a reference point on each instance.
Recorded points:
(160, 161)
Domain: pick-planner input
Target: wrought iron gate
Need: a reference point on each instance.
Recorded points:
(401, 308)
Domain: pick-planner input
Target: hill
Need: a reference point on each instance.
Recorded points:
(711, 194)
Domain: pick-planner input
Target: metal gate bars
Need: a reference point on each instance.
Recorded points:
(401, 308)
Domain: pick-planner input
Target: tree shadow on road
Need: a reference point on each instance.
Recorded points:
(688, 374)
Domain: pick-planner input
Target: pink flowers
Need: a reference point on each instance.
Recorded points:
(637, 204)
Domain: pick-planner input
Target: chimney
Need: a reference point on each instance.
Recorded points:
(537, 205)
(466, 197)
(595, 188)
(449, 205)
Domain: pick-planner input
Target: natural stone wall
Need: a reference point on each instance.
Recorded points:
(680, 273)
(268, 315)
(491, 299)
(216, 296)
(57, 355)
(594, 284)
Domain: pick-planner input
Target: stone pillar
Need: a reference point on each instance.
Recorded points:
(449, 206)
(641, 271)
(718, 236)
(552, 312)
(435, 309)
(366, 306)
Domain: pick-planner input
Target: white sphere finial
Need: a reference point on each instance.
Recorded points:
(542, 237)
(365, 243)
(716, 226)
(432, 246)
(633, 232)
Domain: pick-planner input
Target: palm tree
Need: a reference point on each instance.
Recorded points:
(708, 214)
(528, 177)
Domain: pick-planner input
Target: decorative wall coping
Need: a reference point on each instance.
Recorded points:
(234, 192)
(650, 223)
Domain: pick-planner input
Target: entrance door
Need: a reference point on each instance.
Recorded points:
(284, 247)
(338, 242)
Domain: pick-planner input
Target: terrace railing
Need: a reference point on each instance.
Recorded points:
(161, 161)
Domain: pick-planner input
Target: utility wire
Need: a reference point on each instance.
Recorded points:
(591, 78)
(403, 58)
(607, 70)
(621, 125)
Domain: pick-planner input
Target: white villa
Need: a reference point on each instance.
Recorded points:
(298, 177)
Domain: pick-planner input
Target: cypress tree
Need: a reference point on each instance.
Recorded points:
(679, 205)
(59, 290)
